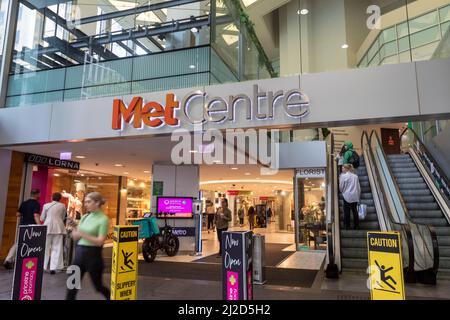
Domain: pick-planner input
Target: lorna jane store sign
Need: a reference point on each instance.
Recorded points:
(260, 105)
(52, 162)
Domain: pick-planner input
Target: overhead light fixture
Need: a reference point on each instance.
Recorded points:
(217, 161)
(192, 66)
(193, 151)
(194, 30)
(118, 165)
(80, 157)
(234, 168)
(56, 174)
(247, 173)
(126, 173)
(65, 155)
(283, 193)
(344, 46)
(146, 171)
(303, 12)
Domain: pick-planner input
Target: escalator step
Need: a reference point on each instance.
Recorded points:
(354, 243)
(425, 214)
(442, 231)
(419, 199)
(440, 222)
(358, 264)
(354, 253)
(422, 206)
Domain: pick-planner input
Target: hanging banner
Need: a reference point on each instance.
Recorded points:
(29, 268)
(385, 265)
(124, 263)
(237, 265)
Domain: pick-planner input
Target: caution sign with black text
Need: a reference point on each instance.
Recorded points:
(385, 266)
(124, 263)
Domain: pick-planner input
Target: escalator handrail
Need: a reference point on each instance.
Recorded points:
(331, 222)
(430, 229)
(403, 226)
(441, 173)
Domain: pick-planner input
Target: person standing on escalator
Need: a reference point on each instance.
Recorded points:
(351, 192)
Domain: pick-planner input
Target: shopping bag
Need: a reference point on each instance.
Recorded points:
(362, 211)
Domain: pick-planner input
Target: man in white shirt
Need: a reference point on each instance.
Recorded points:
(351, 192)
(53, 215)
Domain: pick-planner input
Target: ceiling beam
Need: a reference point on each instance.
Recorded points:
(135, 11)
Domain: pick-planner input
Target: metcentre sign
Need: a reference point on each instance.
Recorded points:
(216, 109)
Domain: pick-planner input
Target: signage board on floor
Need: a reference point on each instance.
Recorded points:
(29, 268)
(183, 231)
(124, 269)
(237, 265)
(385, 265)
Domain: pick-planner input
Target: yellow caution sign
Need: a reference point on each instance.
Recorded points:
(124, 263)
(385, 265)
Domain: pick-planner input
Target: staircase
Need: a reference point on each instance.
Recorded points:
(421, 205)
(354, 242)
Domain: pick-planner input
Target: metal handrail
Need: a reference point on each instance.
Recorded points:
(332, 227)
(408, 219)
(435, 164)
(401, 226)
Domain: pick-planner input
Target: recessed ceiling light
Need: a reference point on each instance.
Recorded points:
(56, 174)
(118, 165)
(303, 12)
(193, 151)
(80, 157)
(194, 29)
(146, 171)
(247, 173)
(192, 66)
(234, 168)
(126, 173)
(344, 46)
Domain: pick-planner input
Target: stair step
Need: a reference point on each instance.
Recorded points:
(353, 233)
(351, 263)
(444, 263)
(410, 180)
(441, 222)
(422, 192)
(418, 199)
(422, 206)
(425, 214)
(412, 186)
(408, 169)
(403, 175)
(443, 240)
(444, 251)
(354, 243)
(442, 231)
(364, 225)
(369, 217)
(354, 253)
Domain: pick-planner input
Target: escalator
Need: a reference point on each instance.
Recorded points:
(386, 211)
(422, 206)
(354, 242)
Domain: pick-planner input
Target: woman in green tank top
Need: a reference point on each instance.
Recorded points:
(91, 235)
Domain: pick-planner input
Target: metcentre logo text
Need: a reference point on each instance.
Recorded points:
(215, 109)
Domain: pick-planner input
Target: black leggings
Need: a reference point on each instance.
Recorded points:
(89, 259)
(210, 221)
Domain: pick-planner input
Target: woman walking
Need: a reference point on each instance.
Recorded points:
(53, 216)
(91, 235)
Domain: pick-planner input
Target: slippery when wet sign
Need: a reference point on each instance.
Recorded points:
(385, 266)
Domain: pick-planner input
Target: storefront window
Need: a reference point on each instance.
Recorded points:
(74, 186)
(138, 198)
